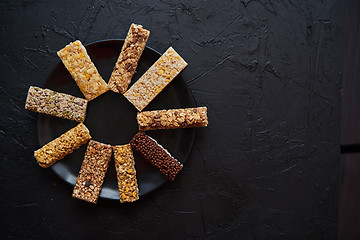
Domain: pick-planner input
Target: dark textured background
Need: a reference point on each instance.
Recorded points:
(267, 167)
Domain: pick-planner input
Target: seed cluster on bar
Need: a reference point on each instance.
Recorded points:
(156, 155)
(126, 173)
(173, 118)
(56, 104)
(128, 59)
(92, 172)
(155, 79)
(60, 147)
(82, 69)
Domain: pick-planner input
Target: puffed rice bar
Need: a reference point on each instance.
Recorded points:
(62, 146)
(128, 59)
(173, 118)
(92, 173)
(156, 155)
(56, 104)
(155, 79)
(82, 69)
(126, 173)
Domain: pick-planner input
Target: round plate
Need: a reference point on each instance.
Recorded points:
(111, 119)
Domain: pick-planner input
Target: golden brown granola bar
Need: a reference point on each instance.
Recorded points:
(62, 146)
(128, 59)
(92, 173)
(126, 173)
(56, 104)
(82, 69)
(155, 79)
(173, 118)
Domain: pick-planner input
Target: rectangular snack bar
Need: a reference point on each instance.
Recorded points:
(126, 173)
(173, 118)
(128, 59)
(82, 69)
(156, 155)
(92, 173)
(155, 79)
(62, 146)
(56, 104)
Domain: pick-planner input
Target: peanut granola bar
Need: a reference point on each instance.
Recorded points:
(92, 173)
(56, 104)
(173, 118)
(155, 79)
(62, 146)
(126, 173)
(128, 59)
(82, 69)
(156, 155)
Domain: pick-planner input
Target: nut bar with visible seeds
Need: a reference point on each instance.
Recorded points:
(126, 173)
(92, 173)
(82, 69)
(56, 104)
(128, 59)
(62, 146)
(155, 79)
(173, 118)
(156, 155)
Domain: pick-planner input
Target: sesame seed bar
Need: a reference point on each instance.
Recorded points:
(126, 173)
(56, 104)
(62, 146)
(173, 118)
(155, 79)
(92, 173)
(82, 69)
(128, 59)
(156, 155)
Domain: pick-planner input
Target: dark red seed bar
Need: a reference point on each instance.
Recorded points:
(156, 155)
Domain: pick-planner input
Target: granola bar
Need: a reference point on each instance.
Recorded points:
(156, 155)
(155, 79)
(128, 59)
(92, 173)
(126, 173)
(62, 146)
(56, 104)
(173, 118)
(83, 70)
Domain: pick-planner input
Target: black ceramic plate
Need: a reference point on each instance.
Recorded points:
(112, 119)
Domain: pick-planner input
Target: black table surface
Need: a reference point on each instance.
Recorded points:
(266, 167)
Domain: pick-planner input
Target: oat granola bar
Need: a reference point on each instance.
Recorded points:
(56, 104)
(62, 146)
(126, 173)
(83, 70)
(128, 59)
(173, 118)
(156, 155)
(155, 79)
(92, 173)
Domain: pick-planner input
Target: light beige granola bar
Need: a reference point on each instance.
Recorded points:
(155, 79)
(173, 118)
(92, 173)
(128, 59)
(126, 173)
(82, 69)
(62, 146)
(56, 104)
